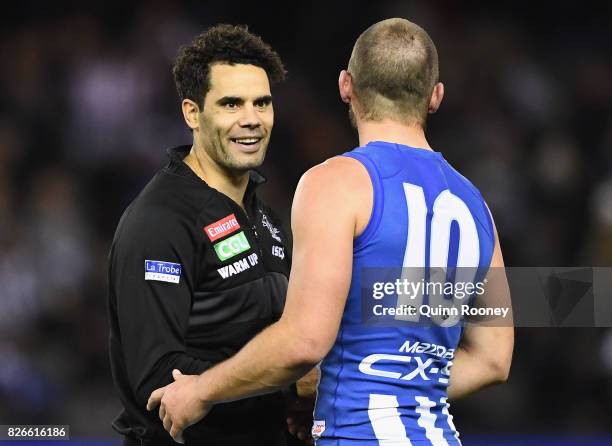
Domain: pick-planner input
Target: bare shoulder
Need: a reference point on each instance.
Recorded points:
(341, 185)
(339, 173)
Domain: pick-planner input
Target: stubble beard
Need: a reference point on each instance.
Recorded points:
(220, 153)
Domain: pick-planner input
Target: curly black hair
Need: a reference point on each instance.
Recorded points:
(231, 44)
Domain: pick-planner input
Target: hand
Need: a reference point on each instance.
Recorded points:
(307, 384)
(180, 405)
(299, 418)
(300, 409)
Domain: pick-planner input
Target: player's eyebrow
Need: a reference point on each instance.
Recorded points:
(230, 100)
(267, 99)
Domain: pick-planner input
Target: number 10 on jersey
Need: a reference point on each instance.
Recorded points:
(447, 208)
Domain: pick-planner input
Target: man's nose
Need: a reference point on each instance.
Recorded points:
(249, 117)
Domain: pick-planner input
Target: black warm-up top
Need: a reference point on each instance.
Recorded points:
(193, 277)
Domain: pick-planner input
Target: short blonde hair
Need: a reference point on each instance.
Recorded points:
(394, 67)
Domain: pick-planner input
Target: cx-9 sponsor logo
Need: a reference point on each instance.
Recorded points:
(378, 364)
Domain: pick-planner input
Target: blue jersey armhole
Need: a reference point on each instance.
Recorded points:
(377, 199)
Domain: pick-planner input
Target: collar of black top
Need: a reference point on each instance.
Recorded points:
(177, 154)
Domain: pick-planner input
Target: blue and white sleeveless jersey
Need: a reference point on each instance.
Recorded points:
(388, 385)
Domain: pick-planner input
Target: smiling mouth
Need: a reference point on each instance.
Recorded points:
(246, 141)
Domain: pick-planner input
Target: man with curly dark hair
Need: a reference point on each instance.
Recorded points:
(199, 265)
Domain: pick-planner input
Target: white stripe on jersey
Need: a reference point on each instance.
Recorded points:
(386, 421)
(427, 421)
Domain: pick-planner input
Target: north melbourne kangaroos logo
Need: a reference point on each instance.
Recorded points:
(273, 231)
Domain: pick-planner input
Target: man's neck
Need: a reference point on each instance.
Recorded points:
(229, 183)
(392, 131)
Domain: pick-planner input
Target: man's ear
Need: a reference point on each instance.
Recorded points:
(191, 110)
(345, 86)
(436, 98)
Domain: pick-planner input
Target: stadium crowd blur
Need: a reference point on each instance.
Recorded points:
(87, 108)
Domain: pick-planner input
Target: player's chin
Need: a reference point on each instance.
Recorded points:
(246, 161)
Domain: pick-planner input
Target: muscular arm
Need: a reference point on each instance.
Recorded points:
(485, 352)
(323, 230)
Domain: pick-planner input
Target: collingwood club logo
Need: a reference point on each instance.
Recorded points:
(274, 232)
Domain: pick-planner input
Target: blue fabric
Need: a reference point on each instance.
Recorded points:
(344, 392)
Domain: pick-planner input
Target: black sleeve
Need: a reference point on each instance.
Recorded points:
(152, 315)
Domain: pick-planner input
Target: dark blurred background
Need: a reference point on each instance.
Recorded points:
(88, 107)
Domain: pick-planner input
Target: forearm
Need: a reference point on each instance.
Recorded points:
(272, 360)
(472, 372)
